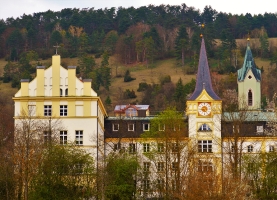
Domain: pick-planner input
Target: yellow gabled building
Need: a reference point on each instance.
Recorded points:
(56, 93)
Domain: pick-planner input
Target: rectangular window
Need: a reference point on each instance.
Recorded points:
(46, 137)
(175, 147)
(204, 166)
(146, 184)
(160, 147)
(79, 137)
(260, 129)
(115, 127)
(175, 166)
(131, 127)
(117, 146)
(160, 167)
(146, 127)
(250, 148)
(79, 168)
(205, 146)
(161, 127)
(146, 147)
(131, 112)
(47, 110)
(63, 110)
(146, 166)
(160, 183)
(63, 137)
(132, 148)
(232, 149)
(271, 148)
(235, 128)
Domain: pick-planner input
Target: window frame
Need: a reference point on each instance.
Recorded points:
(79, 137)
(271, 148)
(131, 127)
(204, 128)
(175, 147)
(205, 146)
(146, 124)
(63, 110)
(160, 147)
(146, 184)
(160, 167)
(250, 98)
(146, 166)
(132, 148)
(161, 128)
(47, 110)
(205, 166)
(117, 146)
(114, 127)
(63, 137)
(250, 148)
(146, 147)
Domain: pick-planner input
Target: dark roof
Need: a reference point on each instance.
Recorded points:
(249, 64)
(203, 80)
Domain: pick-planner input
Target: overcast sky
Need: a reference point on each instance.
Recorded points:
(16, 8)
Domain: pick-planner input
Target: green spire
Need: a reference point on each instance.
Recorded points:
(249, 64)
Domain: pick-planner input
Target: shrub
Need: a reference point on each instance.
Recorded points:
(143, 86)
(128, 94)
(165, 79)
(127, 77)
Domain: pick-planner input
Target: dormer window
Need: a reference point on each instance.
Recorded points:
(204, 127)
(130, 112)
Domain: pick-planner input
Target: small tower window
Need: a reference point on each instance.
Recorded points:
(249, 77)
(250, 98)
(204, 127)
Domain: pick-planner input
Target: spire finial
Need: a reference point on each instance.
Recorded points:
(202, 28)
(57, 46)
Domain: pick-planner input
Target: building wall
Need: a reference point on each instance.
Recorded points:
(243, 88)
(57, 86)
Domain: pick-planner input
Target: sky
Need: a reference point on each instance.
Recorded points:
(16, 8)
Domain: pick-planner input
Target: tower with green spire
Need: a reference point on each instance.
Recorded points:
(249, 83)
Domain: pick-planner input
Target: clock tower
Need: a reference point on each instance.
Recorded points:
(204, 114)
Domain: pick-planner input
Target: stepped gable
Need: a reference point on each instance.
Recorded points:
(203, 79)
(249, 64)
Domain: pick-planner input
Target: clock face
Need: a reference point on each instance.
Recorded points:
(204, 109)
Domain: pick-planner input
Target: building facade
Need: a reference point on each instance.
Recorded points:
(57, 94)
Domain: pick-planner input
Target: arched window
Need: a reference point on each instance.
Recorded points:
(204, 127)
(61, 92)
(250, 98)
(66, 92)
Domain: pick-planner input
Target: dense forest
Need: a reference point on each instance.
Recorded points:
(133, 35)
(118, 30)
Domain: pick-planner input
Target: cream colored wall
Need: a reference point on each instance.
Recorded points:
(243, 88)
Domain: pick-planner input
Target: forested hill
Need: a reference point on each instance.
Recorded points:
(105, 41)
(119, 29)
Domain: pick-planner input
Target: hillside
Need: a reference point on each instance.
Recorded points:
(138, 71)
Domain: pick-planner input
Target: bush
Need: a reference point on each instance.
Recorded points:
(128, 94)
(127, 77)
(143, 86)
(165, 79)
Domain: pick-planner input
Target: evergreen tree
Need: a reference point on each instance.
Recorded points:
(181, 44)
(264, 43)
